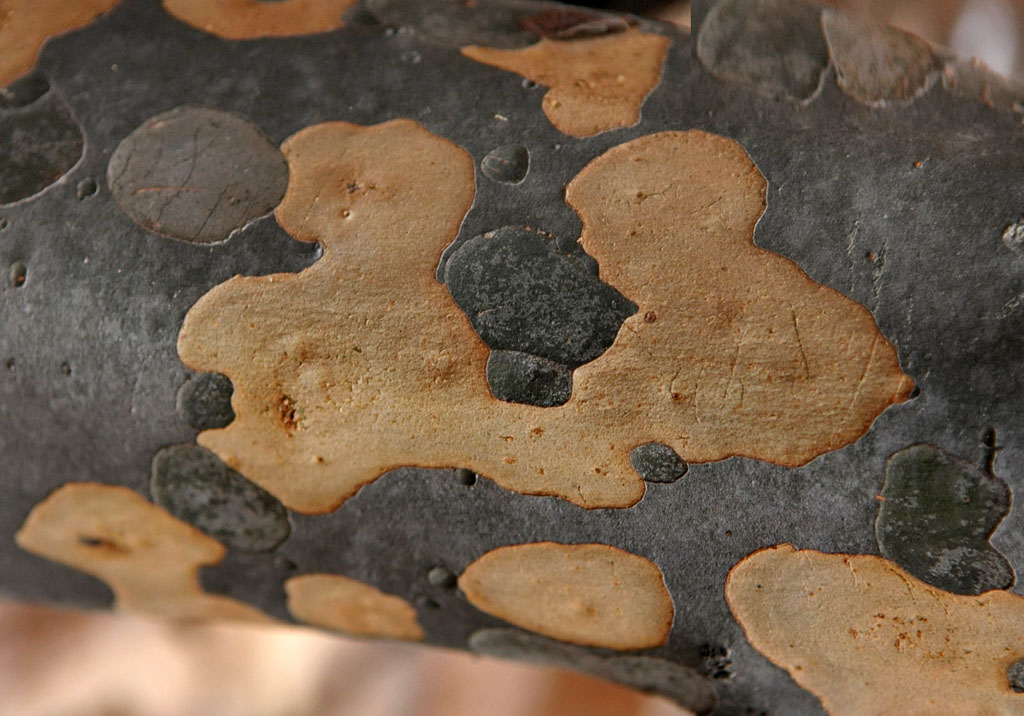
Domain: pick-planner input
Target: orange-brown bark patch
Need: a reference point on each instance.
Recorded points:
(347, 605)
(589, 594)
(595, 83)
(147, 557)
(26, 24)
(248, 19)
(868, 638)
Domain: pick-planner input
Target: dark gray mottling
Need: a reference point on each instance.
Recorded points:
(204, 401)
(674, 681)
(772, 46)
(196, 174)
(194, 485)
(40, 139)
(715, 662)
(935, 518)
(656, 462)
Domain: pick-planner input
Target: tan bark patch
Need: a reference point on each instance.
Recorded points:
(348, 605)
(26, 24)
(868, 638)
(596, 83)
(148, 558)
(248, 19)
(734, 350)
(588, 594)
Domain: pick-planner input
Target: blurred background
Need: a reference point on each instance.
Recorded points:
(987, 29)
(65, 663)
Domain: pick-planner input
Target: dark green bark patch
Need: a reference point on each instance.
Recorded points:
(204, 401)
(936, 516)
(194, 485)
(655, 462)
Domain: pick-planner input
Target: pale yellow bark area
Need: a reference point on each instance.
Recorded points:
(26, 24)
(588, 594)
(147, 557)
(350, 606)
(362, 362)
(595, 83)
(248, 19)
(868, 638)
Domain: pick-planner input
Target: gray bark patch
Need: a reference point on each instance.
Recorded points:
(523, 294)
(1015, 675)
(194, 485)
(197, 174)
(507, 164)
(458, 23)
(936, 516)
(674, 681)
(40, 139)
(876, 64)
(655, 462)
(204, 401)
(772, 46)
(523, 378)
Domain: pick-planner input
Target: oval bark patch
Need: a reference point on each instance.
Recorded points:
(588, 594)
(196, 174)
(348, 605)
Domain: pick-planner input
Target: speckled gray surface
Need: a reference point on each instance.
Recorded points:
(901, 207)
